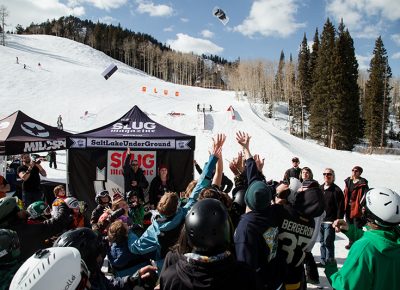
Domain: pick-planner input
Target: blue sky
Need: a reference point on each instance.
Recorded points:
(257, 29)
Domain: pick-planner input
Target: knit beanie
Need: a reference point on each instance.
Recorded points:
(258, 195)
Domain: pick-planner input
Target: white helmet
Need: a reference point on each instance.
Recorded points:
(52, 268)
(72, 202)
(383, 206)
(294, 185)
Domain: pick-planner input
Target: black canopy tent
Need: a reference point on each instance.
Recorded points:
(96, 157)
(20, 133)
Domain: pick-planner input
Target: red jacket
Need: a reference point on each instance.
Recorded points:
(355, 196)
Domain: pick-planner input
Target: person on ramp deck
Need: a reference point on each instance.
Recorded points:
(134, 178)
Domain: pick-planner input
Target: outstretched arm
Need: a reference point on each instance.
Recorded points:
(217, 179)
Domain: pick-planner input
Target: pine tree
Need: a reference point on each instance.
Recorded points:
(304, 80)
(376, 108)
(314, 55)
(279, 77)
(344, 120)
(322, 89)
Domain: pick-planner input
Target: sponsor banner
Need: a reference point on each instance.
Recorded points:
(133, 143)
(134, 127)
(115, 161)
(36, 146)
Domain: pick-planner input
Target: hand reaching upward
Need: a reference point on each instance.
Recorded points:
(218, 142)
(244, 140)
(259, 162)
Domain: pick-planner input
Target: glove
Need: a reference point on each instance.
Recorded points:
(116, 214)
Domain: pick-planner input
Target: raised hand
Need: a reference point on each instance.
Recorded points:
(259, 162)
(236, 165)
(243, 139)
(218, 142)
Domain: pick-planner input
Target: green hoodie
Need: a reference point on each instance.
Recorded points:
(373, 261)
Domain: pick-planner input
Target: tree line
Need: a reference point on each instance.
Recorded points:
(328, 98)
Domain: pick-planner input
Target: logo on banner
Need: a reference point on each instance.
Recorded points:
(4, 125)
(44, 145)
(115, 161)
(182, 144)
(78, 143)
(35, 129)
(134, 127)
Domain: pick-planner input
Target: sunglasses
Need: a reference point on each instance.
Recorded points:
(327, 174)
(135, 164)
(355, 170)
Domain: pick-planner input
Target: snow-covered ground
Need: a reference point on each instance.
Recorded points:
(69, 82)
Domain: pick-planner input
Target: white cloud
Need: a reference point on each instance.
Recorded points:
(107, 19)
(363, 61)
(396, 55)
(186, 43)
(271, 18)
(169, 28)
(207, 33)
(183, 19)
(154, 9)
(37, 11)
(101, 4)
(396, 38)
(364, 18)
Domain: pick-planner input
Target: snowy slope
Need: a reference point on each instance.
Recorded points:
(69, 82)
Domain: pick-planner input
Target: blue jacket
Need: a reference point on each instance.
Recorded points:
(148, 242)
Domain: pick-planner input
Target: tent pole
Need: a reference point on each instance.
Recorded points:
(67, 172)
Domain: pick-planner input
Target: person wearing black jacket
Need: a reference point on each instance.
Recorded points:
(160, 185)
(294, 171)
(226, 183)
(295, 222)
(334, 209)
(202, 259)
(134, 178)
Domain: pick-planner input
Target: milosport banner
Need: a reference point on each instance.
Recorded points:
(20, 133)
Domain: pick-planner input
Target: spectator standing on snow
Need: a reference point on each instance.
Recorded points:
(4, 186)
(354, 190)
(53, 159)
(59, 123)
(334, 209)
(294, 171)
(160, 185)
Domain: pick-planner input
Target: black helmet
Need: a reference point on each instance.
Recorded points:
(129, 194)
(100, 194)
(9, 246)
(208, 227)
(86, 241)
(7, 206)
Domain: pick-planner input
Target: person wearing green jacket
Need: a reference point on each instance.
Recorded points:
(373, 261)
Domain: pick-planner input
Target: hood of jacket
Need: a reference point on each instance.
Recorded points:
(197, 275)
(386, 242)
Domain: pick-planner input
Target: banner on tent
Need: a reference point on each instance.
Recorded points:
(147, 161)
(134, 143)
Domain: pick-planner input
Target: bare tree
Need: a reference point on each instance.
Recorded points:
(3, 16)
